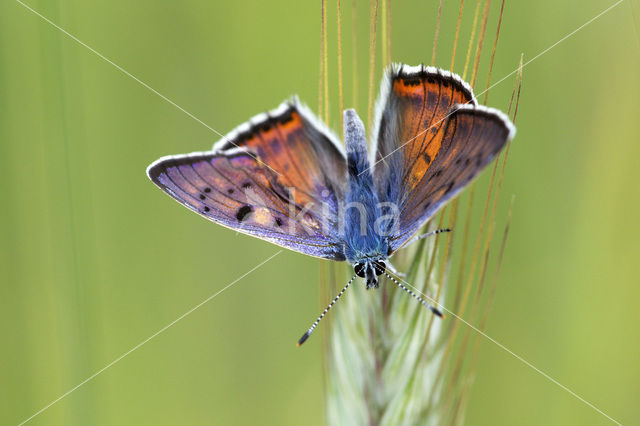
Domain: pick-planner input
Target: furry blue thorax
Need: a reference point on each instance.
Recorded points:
(361, 212)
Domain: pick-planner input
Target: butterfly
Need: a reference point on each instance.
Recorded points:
(285, 177)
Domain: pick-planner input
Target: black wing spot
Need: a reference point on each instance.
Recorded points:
(202, 197)
(246, 185)
(426, 206)
(230, 191)
(427, 158)
(435, 175)
(450, 187)
(243, 213)
(206, 208)
(445, 83)
(207, 190)
(278, 222)
(467, 161)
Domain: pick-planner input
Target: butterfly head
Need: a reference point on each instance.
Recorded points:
(370, 270)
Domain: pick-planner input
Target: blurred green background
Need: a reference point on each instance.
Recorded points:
(95, 259)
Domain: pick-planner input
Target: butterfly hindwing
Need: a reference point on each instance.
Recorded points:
(474, 134)
(238, 184)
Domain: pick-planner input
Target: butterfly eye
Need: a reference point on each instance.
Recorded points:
(359, 270)
(379, 266)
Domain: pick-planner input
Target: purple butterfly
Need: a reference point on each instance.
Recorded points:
(285, 178)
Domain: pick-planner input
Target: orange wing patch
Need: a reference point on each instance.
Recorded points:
(286, 142)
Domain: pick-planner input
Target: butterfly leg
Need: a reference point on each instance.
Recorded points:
(394, 270)
(428, 234)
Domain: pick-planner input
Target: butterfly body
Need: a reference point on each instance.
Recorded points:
(365, 235)
(285, 178)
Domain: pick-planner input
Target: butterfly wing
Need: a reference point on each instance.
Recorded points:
(297, 147)
(277, 177)
(432, 140)
(410, 117)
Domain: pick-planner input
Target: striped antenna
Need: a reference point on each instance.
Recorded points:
(415, 296)
(306, 335)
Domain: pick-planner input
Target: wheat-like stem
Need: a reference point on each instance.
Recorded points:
(378, 370)
(388, 360)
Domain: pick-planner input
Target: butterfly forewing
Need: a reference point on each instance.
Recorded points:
(410, 119)
(239, 184)
(298, 149)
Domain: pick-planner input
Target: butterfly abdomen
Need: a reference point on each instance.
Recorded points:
(361, 208)
(356, 144)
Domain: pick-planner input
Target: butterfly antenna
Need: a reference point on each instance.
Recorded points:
(415, 296)
(306, 335)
